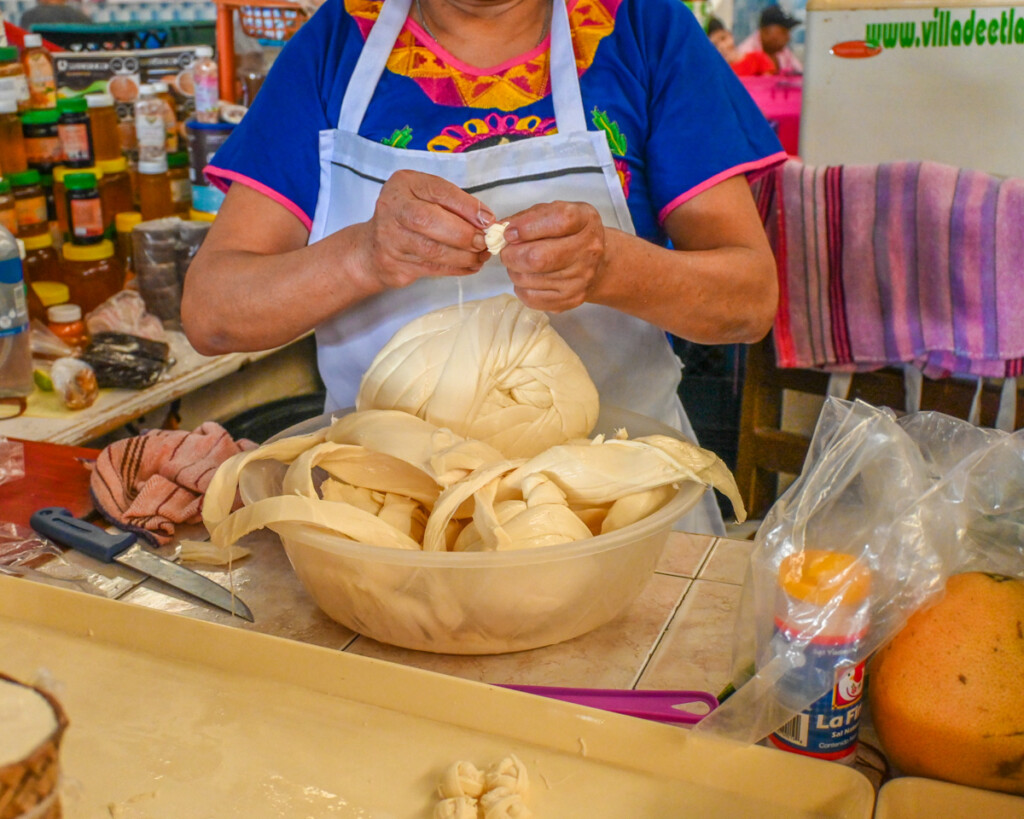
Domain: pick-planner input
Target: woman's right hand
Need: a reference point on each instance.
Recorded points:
(424, 226)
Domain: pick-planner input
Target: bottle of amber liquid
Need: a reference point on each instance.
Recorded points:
(106, 132)
(30, 204)
(65, 322)
(75, 131)
(8, 213)
(12, 139)
(92, 273)
(42, 81)
(154, 189)
(181, 188)
(13, 83)
(41, 262)
(85, 209)
(115, 191)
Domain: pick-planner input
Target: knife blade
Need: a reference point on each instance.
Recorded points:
(61, 526)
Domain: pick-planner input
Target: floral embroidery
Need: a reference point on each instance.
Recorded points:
(494, 129)
(400, 138)
(616, 142)
(507, 89)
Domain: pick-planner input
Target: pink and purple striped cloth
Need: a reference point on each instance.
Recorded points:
(903, 262)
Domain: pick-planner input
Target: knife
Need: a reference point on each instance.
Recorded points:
(61, 526)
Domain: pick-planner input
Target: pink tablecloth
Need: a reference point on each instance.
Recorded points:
(779, 100)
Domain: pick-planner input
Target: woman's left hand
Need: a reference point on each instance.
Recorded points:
(555, 254)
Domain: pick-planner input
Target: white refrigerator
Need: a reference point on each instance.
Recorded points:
(914, 81)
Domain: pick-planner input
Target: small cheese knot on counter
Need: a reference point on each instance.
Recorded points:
(500, 792)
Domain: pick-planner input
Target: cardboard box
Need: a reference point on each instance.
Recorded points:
(120, 73)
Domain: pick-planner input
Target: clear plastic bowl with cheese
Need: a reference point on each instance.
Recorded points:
(476, 602)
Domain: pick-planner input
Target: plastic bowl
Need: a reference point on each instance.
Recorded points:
(476, 602)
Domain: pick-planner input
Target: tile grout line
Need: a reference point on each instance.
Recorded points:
(661, 635)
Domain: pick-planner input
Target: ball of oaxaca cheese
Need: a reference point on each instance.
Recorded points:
(493, 370)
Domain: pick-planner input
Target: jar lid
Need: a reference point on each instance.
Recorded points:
(153, 166)
(5, 184)
(32, 40)
(29, 177)
(36, 242)
(51, 293)
(8, 105)
(64, 313)
(160, 87)
(80, 181)
(40, 116)
(201, 215)
(88, 253)
(196, 125)
(8, 53)
(146, 88)
(102, 100)
(75, 105)
(179, 159)
(126, 220)
(204, 51)
(62, 172)
(113, 165)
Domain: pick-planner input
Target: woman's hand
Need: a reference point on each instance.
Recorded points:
(424, 226)
(555, 255)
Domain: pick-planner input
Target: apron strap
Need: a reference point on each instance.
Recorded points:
(372, 61)
(565, 84)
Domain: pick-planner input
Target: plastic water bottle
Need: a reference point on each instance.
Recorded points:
(15, 350)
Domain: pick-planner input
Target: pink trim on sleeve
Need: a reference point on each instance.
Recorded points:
(754, 168)
(218, 176)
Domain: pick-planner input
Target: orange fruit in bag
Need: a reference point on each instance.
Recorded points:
(947, 693)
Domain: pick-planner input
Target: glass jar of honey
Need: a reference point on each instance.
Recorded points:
(92, 273)
(154, 189)
(8, 214)
(60, 193)
(115, 190)
(181, 187)
(41, 262)
(12, 140)
(75, 131)
(106, 131)
(29, 204)
(42, 139)
(85, 210)
(65, 322)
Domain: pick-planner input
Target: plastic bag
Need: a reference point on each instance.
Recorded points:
(901, 504)
(46, 344)
(75, 382)
(125, 312)
(12, 460)
(23, 553)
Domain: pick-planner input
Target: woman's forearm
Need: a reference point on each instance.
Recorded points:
(723, 295)
(236, 299)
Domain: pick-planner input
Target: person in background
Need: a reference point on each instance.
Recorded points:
(772, 38)
(53, 11)
(754, 64)
(414, 125)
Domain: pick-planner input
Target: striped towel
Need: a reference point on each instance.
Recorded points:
(899, 263)
(150, 483)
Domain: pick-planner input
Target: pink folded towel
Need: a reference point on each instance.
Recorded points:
(903, 262)
(151, 482)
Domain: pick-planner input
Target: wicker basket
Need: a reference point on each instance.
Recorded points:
(29, 786)
(271, 22)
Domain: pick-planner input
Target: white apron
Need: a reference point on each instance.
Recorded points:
(630, 361)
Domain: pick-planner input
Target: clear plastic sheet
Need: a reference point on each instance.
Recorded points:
(906, 503)
(24, 553)
(12, 460)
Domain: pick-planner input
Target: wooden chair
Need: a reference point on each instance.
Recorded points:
(766, 450)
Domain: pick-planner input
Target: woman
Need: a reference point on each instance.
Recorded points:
(388, 137)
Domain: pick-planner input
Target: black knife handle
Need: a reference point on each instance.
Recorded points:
(60, 526)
